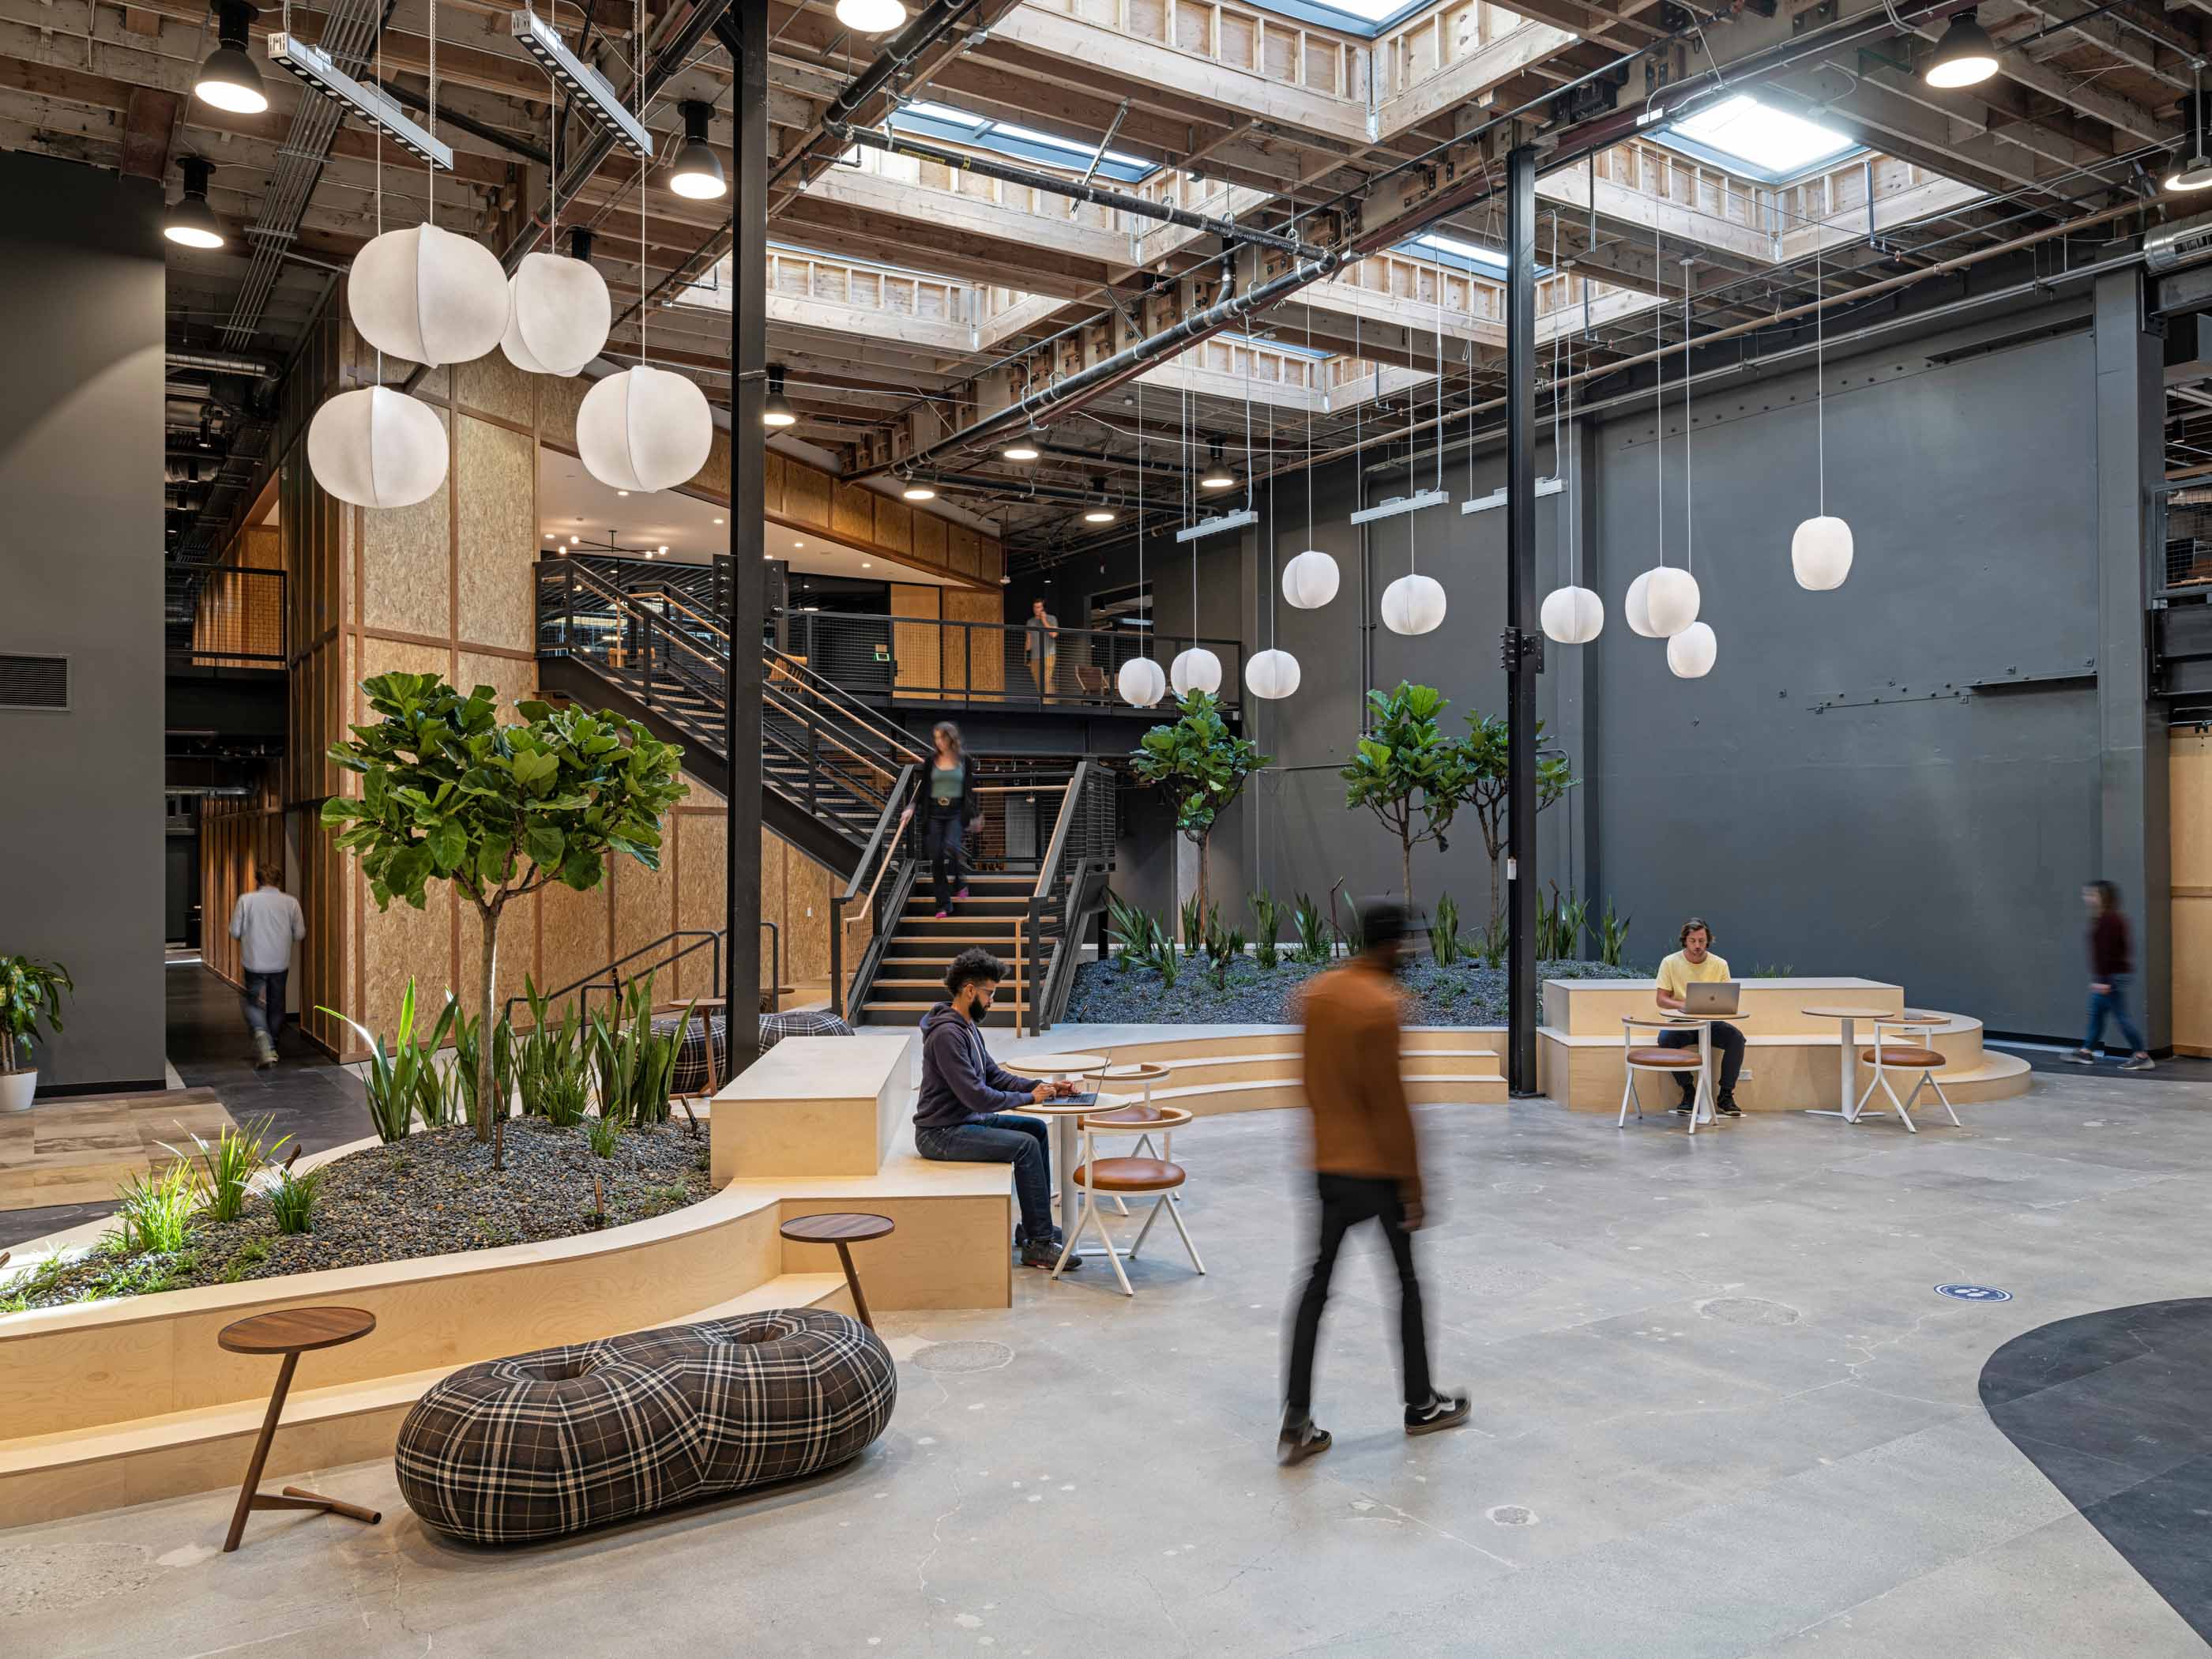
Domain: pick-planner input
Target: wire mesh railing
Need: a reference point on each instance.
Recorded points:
(225, 615)
(2186, 539)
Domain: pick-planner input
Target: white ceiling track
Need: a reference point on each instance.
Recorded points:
(1236, 520)
(1498, 496)
(312, 65)
(1401, 504)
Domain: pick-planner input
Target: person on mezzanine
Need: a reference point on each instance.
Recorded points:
(1696, 963)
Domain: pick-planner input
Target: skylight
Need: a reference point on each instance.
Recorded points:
(1365, 17)
(926, 119)
(1463, 254)
(1764, 141)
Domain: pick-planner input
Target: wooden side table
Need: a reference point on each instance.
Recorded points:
(842, 1228)
(292, 1332)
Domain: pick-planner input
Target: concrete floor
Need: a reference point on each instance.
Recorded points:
(1719, 1410)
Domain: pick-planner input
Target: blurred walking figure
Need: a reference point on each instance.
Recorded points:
(952, 806)
(1367, 1166)
(2111, 962)
(266, 923)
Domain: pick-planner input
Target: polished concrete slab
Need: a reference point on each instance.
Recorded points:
(1719, 1410)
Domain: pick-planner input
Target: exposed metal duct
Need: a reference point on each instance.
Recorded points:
(216, 363)
(2184, 242)
(1121, 200)
(1023, 489)
(910, 43)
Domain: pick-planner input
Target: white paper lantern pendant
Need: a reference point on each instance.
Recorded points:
(1271, 674)
(428, 295)
(1310, 580)
(1196, 670)
(1413, 604)
(1143, 682)
(1670, 600)
(560, 313)
(644, 430)
(1573, 616)
(377, 448)
(1820, 553)
(1690, 654)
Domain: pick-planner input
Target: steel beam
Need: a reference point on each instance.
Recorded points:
(1523, 641)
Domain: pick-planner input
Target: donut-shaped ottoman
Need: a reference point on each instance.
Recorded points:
(550, 1443)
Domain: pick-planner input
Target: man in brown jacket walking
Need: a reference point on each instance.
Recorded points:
(1367, 1165)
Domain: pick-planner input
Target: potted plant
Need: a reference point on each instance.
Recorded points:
(30, 995)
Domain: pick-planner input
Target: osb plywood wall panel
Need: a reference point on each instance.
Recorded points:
(645, 906)
(701, 836)
(575, 935)
(514, 678)
(492, 386)
(807, 892)
(557, 403)
(407, 563)
(2189, 819)
(713, 478)
(325, 878)
(496, 473)
(914, 644)
(518, 951)
(982, 655)
(400, 944)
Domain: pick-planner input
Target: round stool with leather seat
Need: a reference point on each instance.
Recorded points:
(1650, 1057)
(1894, 1048)
(1097, 1177)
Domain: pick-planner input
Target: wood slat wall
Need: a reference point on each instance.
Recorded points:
(2189, 821)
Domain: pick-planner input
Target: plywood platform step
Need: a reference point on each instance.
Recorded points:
(1269, 1094)
(48, 1476)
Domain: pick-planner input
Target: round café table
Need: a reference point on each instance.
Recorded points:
(1701, 1110)
(290, 1332)
(1847, 1064)
(843, 1228)
(1053, 1068)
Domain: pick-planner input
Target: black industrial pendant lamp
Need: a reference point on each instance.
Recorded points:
(1218, 475)
(1965, 56)
(191, 222)
(775, 407)
(229, 79)
(2193, 172)
(1024, 448)
(1098, 511)
(917, 491)
(697, 173)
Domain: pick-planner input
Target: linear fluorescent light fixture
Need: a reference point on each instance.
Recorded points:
(1497, 497)
(312, 66)
(1236, 520)
(602, 105)
(1398, 504)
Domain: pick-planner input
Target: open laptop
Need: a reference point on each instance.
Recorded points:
(1715, 997)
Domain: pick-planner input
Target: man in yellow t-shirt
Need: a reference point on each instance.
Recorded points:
(1695, 963)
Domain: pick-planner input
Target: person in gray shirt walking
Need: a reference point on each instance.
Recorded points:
(1043, 634)
(266, 923)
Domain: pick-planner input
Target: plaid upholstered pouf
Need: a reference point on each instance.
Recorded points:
(552, 1442)
(702, 1055)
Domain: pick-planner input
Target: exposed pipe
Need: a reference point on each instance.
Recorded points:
(216, 363)
(910, 43)
(1021, 488)
(1121, 200)
(1127, 364)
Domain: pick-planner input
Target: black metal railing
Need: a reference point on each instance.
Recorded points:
(985, 664)
(2186, 534)
(1071, 880)
(225, 615)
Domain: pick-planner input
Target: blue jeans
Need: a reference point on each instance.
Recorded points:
(2113, 1002)
(1004, 1137)
(264, 1003)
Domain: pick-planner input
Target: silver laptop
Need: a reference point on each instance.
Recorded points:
(1711, 996)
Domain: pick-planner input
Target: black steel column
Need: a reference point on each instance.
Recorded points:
(741, 685)
(1523, 643)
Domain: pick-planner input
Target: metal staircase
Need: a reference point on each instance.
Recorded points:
(643, 640)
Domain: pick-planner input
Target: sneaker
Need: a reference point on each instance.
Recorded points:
(1683, 1111)
(943, 914)
(2083, 1057)
(2140, 1063)
(1299, 1441)
(1444, 1411)
(1039, 1254)
(1729, 1109)
(961, 894)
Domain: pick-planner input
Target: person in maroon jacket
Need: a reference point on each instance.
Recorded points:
(2112, 960)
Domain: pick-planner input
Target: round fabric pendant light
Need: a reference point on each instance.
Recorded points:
(1413, 604)
(1573, 615)
(1670, 602)
(1690, 654)
(1271, 674)
(428, 295)
(1820, 553)
(1635, 609)
(644, 428)
(871, 16)
(377, 448)
(1143, 682)
(1196, 670)
(1310, 580)
(559, 316)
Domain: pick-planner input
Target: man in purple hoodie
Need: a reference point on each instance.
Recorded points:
(964, 1116)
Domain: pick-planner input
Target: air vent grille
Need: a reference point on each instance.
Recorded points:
(33, 682)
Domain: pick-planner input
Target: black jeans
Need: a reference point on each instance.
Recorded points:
(1728, 1043)
(1002, 1138)
(264, 1003)
(940, 845)
(1345, 1201)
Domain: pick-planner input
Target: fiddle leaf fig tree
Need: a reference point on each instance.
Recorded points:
(1407, 772)
(449, 793)
(1486, 747)
(1203, 765)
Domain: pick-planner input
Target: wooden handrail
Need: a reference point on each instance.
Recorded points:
(891, 857)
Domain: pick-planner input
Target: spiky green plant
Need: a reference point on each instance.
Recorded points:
(1314, 943)
(1130, 930)
(1225, 946)
(399, 1076)
(1496, 935)
(1444, 932)
(1612, 937)
(602, 1134)
(1194, 926)
(1267, 925)
(1164, 961)
(551, 1068)
(155, 1211)
(292, 1198)
(1573, 916)
(228, 1168)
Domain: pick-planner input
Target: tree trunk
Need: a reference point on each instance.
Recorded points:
(488, 1012)
(1493, 890)
(1406, 857)
(1202, 842)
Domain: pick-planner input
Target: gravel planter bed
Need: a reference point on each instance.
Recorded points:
(433, 1194)
(1467, 993)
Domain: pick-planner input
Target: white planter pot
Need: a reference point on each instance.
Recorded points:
(16, 1089)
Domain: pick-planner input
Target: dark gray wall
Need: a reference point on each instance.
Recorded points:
(80, 833)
